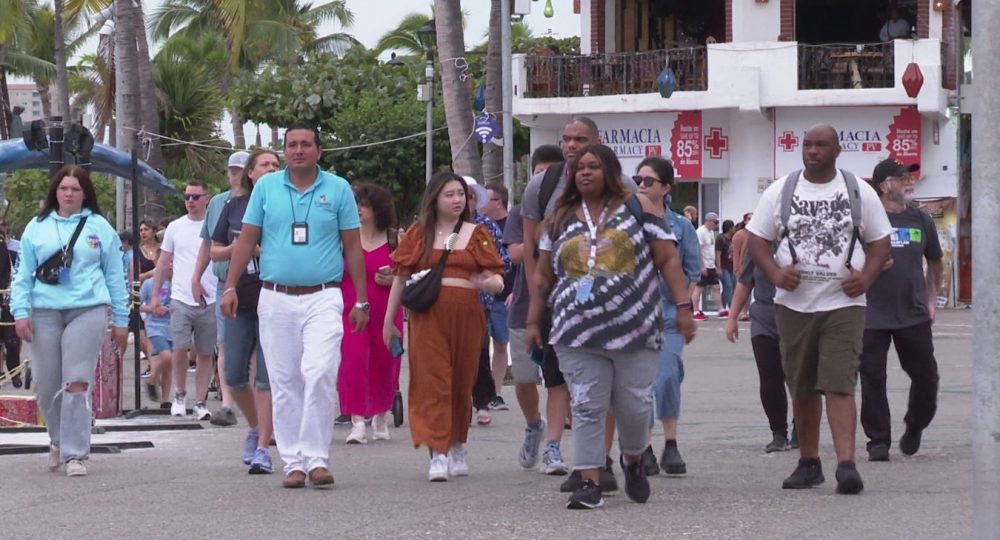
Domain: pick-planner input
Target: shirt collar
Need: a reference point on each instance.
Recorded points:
(288, 181)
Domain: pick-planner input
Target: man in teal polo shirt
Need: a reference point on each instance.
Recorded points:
(237, 162)
(307, 224)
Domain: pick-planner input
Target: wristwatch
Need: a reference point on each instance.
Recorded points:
(363, 306)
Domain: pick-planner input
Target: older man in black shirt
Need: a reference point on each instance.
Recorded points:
(901, 309)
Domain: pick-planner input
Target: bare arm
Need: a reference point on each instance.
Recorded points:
(200, 265)
(220, 252)
(516, 253)
(933, 280)
(528, 253)
(351, 241)
(162, 263)
(241, 252)
(740, 297)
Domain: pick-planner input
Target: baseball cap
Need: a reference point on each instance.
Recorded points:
(239, 159)
(891, 167)
(711, 216)
(482, 197)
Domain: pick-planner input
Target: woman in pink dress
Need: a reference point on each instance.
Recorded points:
(369, 374)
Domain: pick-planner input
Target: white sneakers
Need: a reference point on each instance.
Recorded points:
(451, 464)
(75, 467)
(439, 468)
(201, 412)
(54, 460)
(177, 406)
(457, 465)
(380, 427)
(357, 435)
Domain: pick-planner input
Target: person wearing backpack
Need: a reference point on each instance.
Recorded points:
(832, 237)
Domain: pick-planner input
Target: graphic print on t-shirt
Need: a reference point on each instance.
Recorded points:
(820, 233)
(904, 236)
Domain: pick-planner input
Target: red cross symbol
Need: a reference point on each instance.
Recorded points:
(716, 143)
(788, 141)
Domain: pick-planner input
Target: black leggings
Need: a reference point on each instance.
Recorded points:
(767, 354)
(483, 391)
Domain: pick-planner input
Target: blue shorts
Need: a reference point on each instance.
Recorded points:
(220, 319)
(160, 344)
(498, 323)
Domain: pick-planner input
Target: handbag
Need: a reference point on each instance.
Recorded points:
(423, 288)
(48, 272)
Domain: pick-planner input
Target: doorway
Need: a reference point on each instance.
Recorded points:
(702, 194)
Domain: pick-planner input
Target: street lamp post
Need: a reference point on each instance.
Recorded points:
(425, 92)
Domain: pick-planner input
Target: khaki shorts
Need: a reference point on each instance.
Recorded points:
(820, 352)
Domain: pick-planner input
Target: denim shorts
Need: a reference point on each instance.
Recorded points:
(160, 344)
(242, 340)
(220, 319)
(498, 323)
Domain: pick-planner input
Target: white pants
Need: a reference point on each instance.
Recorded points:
(300, 337)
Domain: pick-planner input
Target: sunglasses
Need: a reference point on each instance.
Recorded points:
(193, 196)
(647, 181)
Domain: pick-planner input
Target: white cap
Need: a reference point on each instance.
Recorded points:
(482, 196)
(239, 159)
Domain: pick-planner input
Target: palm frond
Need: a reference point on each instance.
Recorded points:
(29, 66)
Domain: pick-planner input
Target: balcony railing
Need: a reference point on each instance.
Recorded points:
(612, 74)
(838, 66)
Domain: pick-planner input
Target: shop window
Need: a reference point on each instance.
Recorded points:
(850, 21)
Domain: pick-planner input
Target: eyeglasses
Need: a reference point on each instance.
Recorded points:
(193, 196)
(647, 181)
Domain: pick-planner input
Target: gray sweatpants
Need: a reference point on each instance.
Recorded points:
(599, 380)
(65, 344)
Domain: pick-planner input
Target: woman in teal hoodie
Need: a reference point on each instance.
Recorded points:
(63, 314)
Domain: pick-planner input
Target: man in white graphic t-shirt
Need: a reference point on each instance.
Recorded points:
(820, 299)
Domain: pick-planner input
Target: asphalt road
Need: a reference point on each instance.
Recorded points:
(191, 484)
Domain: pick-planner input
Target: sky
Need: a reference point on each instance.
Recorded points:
(372, 18)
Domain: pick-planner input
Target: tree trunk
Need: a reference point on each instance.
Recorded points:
(153, 208)
(62, 76)
(493, 154)
(457, 106)
(127, 80)
(45, 96)
(236, 121)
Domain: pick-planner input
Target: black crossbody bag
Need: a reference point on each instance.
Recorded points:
(48, 272)
(423, 288)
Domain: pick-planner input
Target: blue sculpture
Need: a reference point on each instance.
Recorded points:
(666, 82)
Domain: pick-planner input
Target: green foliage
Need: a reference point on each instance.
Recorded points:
(326, 92)
(25, 189)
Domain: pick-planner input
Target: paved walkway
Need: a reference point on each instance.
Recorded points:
(192, 484)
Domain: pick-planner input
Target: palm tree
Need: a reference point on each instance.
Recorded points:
(457, 105)
(15, 16)
(92, 84)
(493, 154)
(256, 31)
(404, 38)
(190, 100)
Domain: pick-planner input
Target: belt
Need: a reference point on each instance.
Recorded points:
(295, 290)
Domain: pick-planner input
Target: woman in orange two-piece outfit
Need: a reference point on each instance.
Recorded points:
(445, 340)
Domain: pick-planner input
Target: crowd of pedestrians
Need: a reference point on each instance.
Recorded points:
(592, 286)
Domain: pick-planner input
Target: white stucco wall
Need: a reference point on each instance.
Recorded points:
(753, 21)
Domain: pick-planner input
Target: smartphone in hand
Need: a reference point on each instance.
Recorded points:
(396, 347)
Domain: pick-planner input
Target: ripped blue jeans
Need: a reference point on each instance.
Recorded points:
(65, 345)
(599, 380)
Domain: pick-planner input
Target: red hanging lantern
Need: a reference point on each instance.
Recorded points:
(913, 79)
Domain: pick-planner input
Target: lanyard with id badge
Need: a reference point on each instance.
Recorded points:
(300, 229)
(585, 286)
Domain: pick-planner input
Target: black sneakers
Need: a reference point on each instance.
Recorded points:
(848, 479)
(573, 483)
(670, 459)
(608, 481)
(909, 443)
(809, 473)
(636, 484)
(793, 442)
(778, 444)
(586, 497)
(649, 463)
(878, 452)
